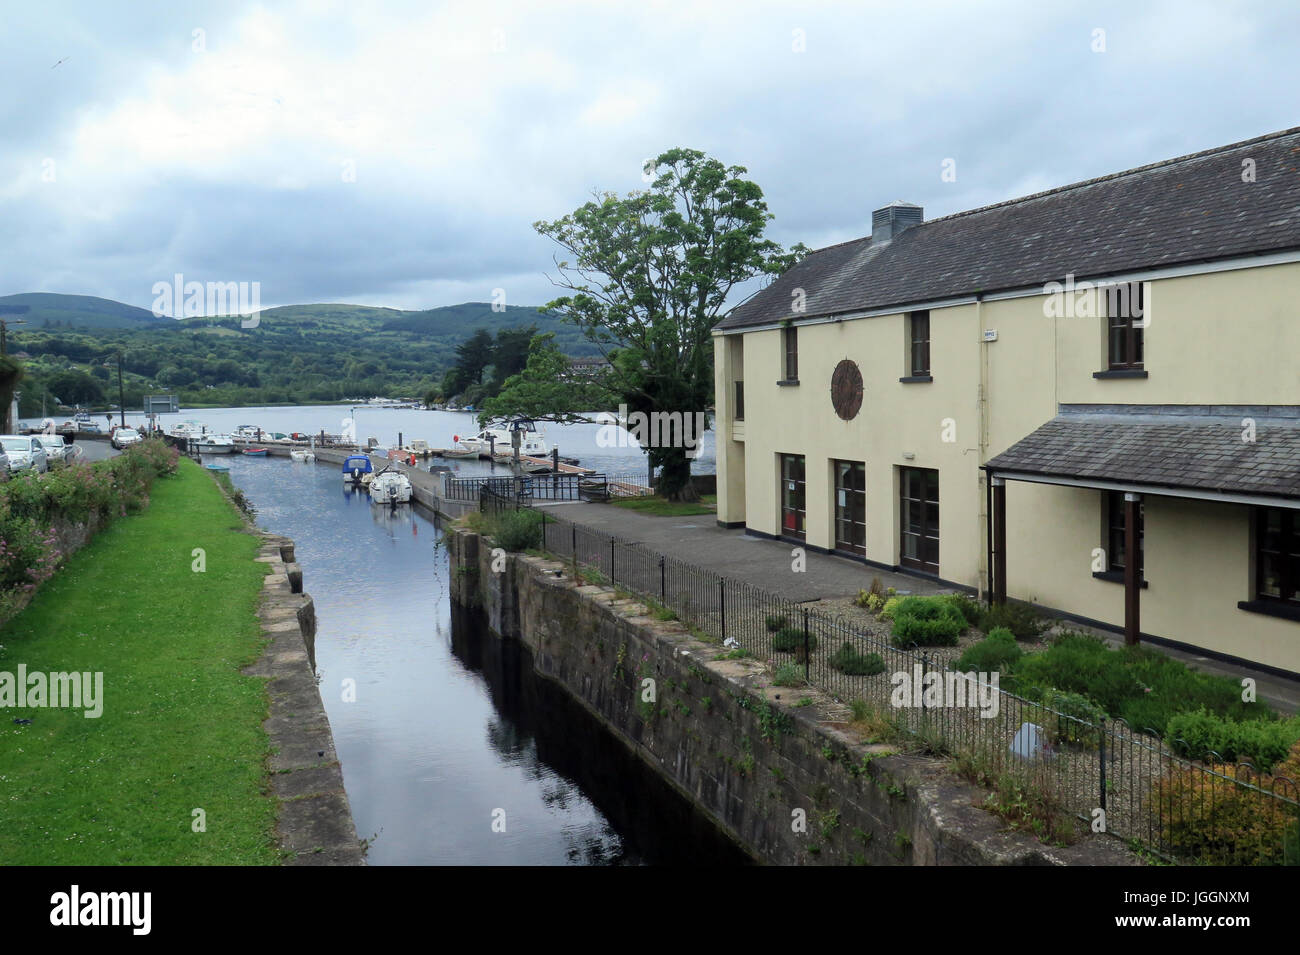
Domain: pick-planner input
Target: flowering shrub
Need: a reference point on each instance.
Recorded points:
(30, 504)
(1227, 817)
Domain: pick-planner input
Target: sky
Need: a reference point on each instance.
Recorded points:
(398, 153)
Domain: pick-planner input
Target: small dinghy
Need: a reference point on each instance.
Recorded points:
(216, 467)
(390, 487)
(301, 454)
(255, 452)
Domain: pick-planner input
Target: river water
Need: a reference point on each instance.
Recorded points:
(450, 729)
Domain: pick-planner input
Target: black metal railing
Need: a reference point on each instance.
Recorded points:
(541, 487)
(1063, 768)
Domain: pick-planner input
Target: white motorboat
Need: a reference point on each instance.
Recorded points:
(390, 487)
(498, 438)
(187, 429)
(215, 444)
(249, 432)
(302, 454)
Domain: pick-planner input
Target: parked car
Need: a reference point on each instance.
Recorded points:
(25, 453)
(125, 437)
(58, 449)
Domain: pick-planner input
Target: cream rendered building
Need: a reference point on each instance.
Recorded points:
(1104, 369)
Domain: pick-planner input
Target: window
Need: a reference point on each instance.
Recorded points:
(1126, 321)
(1115, 556)
(919, 498)
(851, 507)
(792, 496)
(740, 402)
(919, 344)
(1277, 555)
(791, 338)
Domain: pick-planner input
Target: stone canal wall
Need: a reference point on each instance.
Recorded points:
(314, 822)
(788, 787)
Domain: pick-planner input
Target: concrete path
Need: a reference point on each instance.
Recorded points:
(733, 553)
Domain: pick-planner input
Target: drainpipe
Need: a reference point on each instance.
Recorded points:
(984, 448)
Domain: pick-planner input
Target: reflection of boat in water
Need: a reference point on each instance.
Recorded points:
(390, 487)
(357, 470)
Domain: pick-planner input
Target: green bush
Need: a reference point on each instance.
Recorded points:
(927, 622)
(971, 610)
(1020, 619)
(1142, 686)
(848, 660)
(889, 606)
(1079, 707)
(775, 623)
(516, 530)
(1262, 743)
(996, 653)
(789, 674)
(790, 640)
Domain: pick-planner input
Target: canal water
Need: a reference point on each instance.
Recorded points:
(450, 730)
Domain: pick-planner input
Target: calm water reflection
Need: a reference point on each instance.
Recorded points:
(450, 724)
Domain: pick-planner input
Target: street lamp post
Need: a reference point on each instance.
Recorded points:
(121, 400)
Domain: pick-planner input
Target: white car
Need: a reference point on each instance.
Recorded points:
(25, 453)
(125, 437)
(60, 451)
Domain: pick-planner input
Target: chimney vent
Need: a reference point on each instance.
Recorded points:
(889, 222)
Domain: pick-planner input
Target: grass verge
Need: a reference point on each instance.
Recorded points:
(181, 728)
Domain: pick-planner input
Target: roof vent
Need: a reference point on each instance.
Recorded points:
(889, 222)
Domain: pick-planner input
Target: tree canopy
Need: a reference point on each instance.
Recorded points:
(648, 277)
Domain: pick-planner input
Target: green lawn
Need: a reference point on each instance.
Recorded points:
(181, 728)
(662, 507)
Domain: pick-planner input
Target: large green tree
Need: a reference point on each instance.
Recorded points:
(546, 387)
(649, 277)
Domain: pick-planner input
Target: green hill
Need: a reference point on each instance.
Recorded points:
(52, 310)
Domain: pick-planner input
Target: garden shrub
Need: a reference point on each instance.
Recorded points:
(996, 653)
(1210, 818)
(790, 639)
(971, 610)
(927, 622)
(888, 607)
(1263, 743)
(1021, 619)
(775, 623)
(1077, 706)
(848, 660)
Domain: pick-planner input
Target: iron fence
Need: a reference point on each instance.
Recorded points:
(542, 487)
(1050, 767)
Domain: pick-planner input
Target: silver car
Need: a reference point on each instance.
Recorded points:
(25, 453)
(58, 449)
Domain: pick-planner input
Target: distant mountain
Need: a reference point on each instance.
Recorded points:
(52, 310)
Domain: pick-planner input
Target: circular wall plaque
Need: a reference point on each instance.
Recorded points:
(846, 389)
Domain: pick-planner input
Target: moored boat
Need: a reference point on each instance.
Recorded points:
(255, 452)
(390, 487)
(215, 444)
(357, 470)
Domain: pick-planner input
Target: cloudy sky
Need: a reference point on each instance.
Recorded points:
(394, 153)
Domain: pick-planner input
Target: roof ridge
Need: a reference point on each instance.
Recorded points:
(1202, 154)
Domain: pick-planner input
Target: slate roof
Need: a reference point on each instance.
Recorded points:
(1166, 446)
(1181, 210)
